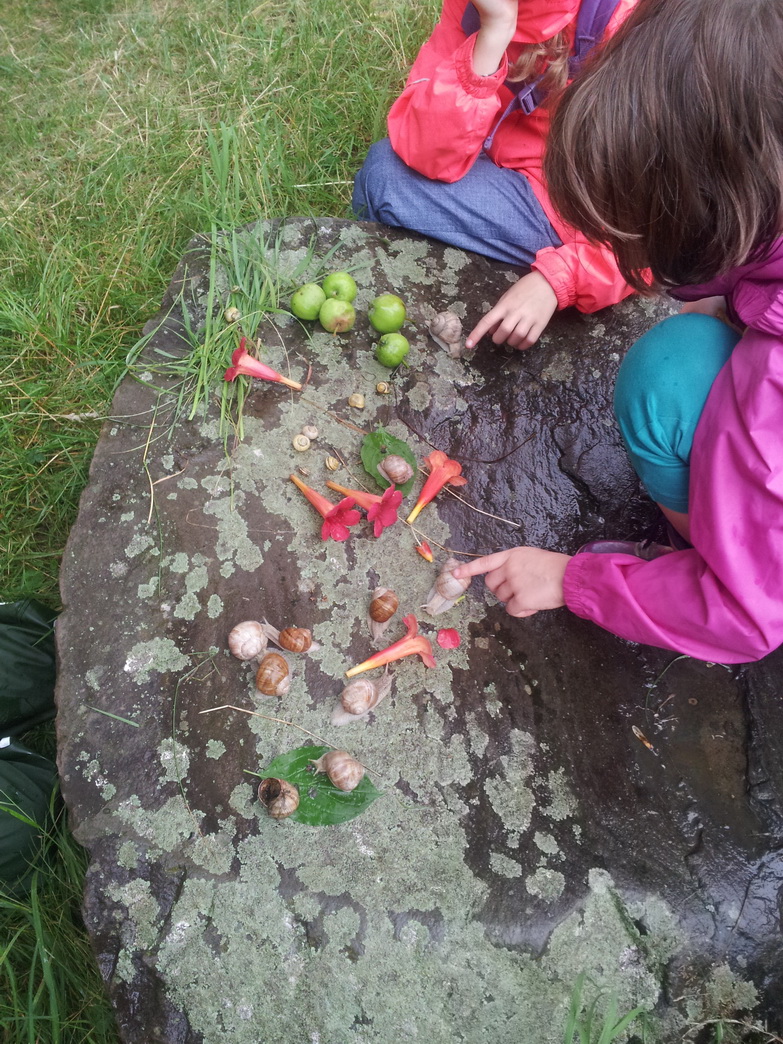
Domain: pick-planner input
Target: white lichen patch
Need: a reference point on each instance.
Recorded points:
(546, 884)
(503, 865)
(127, 855)
(139, 543)
(562, 802)
(158, 654)
(215, 749)
(546, 843)
(93, 678)
(174, 760)
(144, 591)
(214, 606)
(233, 543)
(178, 563)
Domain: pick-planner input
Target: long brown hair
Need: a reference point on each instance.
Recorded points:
(669, 146)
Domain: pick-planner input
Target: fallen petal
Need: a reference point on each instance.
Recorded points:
(448, 638)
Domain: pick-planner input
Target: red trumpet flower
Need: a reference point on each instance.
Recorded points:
(242, 362)
(380, 510)
(337, 517)
(424, 550)
(412, 644)
(443, 472)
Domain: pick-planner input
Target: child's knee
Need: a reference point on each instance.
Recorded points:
(372, 182)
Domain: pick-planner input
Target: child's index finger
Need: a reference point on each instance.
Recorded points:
(480, 565)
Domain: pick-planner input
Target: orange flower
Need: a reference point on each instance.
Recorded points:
(424, 550)
(412, 644)
(381, 511)
(337, 517)
(242, 362)
(443, 472)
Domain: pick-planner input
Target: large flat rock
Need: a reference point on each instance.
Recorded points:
(525, 834)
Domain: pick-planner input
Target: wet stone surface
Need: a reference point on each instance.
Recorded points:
(525, 833)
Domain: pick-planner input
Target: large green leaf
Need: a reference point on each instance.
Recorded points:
(380, 444)
(321, 803)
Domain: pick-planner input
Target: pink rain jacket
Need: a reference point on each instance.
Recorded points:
(440, 123)
(723, 600)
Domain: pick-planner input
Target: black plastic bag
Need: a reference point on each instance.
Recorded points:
(27, 666)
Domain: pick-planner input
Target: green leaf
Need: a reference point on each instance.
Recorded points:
(379, 444)
(321, 803)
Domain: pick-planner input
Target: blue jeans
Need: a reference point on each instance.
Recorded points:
(661, 390)
(491, 210)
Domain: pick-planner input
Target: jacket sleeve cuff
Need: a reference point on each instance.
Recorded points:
(574, 590)
(553, 268)
(470, 81)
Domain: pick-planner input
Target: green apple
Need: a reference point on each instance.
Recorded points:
(336, 316)
(340, 285)
(387, 313)
(392, 349)
(306, 302)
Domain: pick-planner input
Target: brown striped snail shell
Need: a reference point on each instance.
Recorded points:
(247, 640)
(280, 797)
(383, 606)
(395, 469)
(296, 639)
(273, 635)
(344, 771)
(446, 589)
(446, 330)
(361, 696)
(272, 676)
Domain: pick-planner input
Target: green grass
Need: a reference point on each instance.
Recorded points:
(128, 127)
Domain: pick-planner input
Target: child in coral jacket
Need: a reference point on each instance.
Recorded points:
(685, 104)
(463, 159)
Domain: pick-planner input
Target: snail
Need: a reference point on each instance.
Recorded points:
(446, 590)
(301, 443)
(332, 463)
(247, 640)
(395, 469)
(232, 315)
(383, 606)
(383, 387)
(296, 639)
(344, 771)
(360, 697)
(446, 330)
(272, 676)
(280, 797)
(310, 432)
(356, 400)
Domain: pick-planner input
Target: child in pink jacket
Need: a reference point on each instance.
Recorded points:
(463, 164)
(685, 104)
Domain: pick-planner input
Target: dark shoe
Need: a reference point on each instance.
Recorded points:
(639, 549)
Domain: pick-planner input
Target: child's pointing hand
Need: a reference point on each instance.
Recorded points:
(526, 579)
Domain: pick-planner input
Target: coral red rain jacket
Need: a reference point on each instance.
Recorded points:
(447, 115)
(723, 600)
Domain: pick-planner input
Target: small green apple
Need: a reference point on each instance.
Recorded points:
(340, 285)
(387, 313)
(336, 316)
(392, 349)
(306, 302)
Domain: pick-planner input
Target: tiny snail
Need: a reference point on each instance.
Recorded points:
(446, 590)
(383, 606)
(310, 432)
(332, 463)
(301, 443)
(272, 677)
(356, 400)
(232, 315)
(295, 639)
(383, 387)
(361, 696)
(247, 640)
(280, 797)
(395, 469)
(344, 771)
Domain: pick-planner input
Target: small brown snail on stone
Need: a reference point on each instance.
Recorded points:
(295, 639)
(280, 797)
(310, 432)
(247, 640)
(446, 589)
(344, 771)
(383, 606)
(395, 469)
(272, 676)
(446, 330)
(360, 697)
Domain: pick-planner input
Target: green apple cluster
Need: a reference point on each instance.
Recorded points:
(330, 302)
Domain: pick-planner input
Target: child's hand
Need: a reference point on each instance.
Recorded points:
(526, 579)
(520, 316)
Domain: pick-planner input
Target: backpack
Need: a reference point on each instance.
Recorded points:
(591, 23)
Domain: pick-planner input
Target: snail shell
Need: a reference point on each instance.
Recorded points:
(446, 330)
(344, 771)
(446, 589)
(247, 640)
(280, 797)
(395, 469)
(360, 697)
(301, 443)
(383, 606)
(383, 387)
(310, 431)
(332, 463)
(356, 400)
(274, 635)
(272, 676)
(296, 639)
(232, 315)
